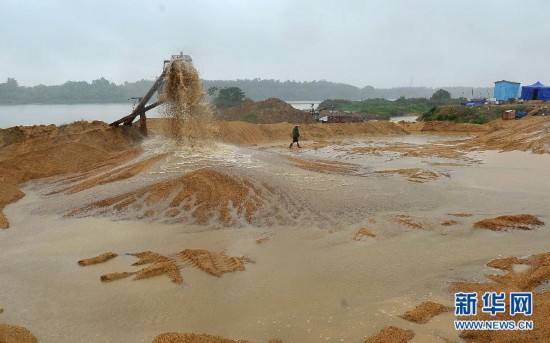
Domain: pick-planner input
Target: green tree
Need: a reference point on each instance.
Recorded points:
(229, 96)
(212, 91)
(441, 96)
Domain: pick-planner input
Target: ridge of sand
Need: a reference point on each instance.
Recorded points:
(97, 259)
(391, 334)
(212, 263)
(425, 311)
(324, 166)
(15, 334)
(510, 222)
(204, 193)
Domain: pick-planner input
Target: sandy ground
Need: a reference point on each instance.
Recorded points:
(313, 278)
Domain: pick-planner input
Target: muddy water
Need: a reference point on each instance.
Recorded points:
(310, 282)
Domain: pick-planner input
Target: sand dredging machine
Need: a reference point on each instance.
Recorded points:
(143, 102)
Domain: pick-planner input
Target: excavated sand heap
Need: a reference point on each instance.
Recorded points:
(190, 117)
(196, 197)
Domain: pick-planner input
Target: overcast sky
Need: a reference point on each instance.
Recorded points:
(380, 43)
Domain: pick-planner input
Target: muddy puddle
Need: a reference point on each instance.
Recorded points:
(311, 281)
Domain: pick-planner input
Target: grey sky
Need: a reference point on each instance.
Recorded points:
(380, 43)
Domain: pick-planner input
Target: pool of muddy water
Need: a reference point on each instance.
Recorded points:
(310, 282)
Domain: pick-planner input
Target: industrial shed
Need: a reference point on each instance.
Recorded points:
(506, 90)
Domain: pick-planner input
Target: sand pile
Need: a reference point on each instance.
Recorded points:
(189, 116)
(529, 134)
(363, 232)
(247, 133)
(268, 111)
(173, 337)
(512, 222)
(213, 263)
(97, 259)
(35, 152)
(414, 174)
(425, 311)
(409, 221)
(443, 150)
(324, 166)
(391, 334)
(15, 334)
(443, 127)
(8, 193)
(196, 197)
(536, 274)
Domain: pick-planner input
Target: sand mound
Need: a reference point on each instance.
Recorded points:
(268, 111)
(235, 132)
(512, 222)
(414, 174)
(425, 311)
(449, 222)
(413, 150)
(196, 197)
(97, 259)
(324, 166)
(363, 232)
(443, 127)
(212, 263)
(15, 334)
(460, 214)
(537, 273)
(188, 114)
(391, 334)
(409, 221)
(529, 134)
(34, 152)
(8, 193)
(173, 337)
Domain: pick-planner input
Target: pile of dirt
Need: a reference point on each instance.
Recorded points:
(196, 197)
(97, 259)
(449, 222)
(414, 174)
(529, 134)
(425, 311)
(391, 334)
(324, 166)
(185, 107)
(213, 263)
(268, 111)
(15, 334)
(460, 214)
(174, 337)
(536, 274)
(35, 152)
(511, 222)
(236, 132)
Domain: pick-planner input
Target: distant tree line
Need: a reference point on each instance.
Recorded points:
(104, 91)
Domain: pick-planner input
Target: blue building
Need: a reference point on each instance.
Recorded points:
(506, 90)
(536, 91)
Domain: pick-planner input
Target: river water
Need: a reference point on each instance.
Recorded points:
(13, 115)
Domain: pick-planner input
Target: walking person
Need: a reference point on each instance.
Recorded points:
(295, 137)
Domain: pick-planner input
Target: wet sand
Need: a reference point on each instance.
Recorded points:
(311, 281)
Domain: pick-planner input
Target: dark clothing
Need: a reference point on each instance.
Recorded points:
(295, 137)
(295, 134)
